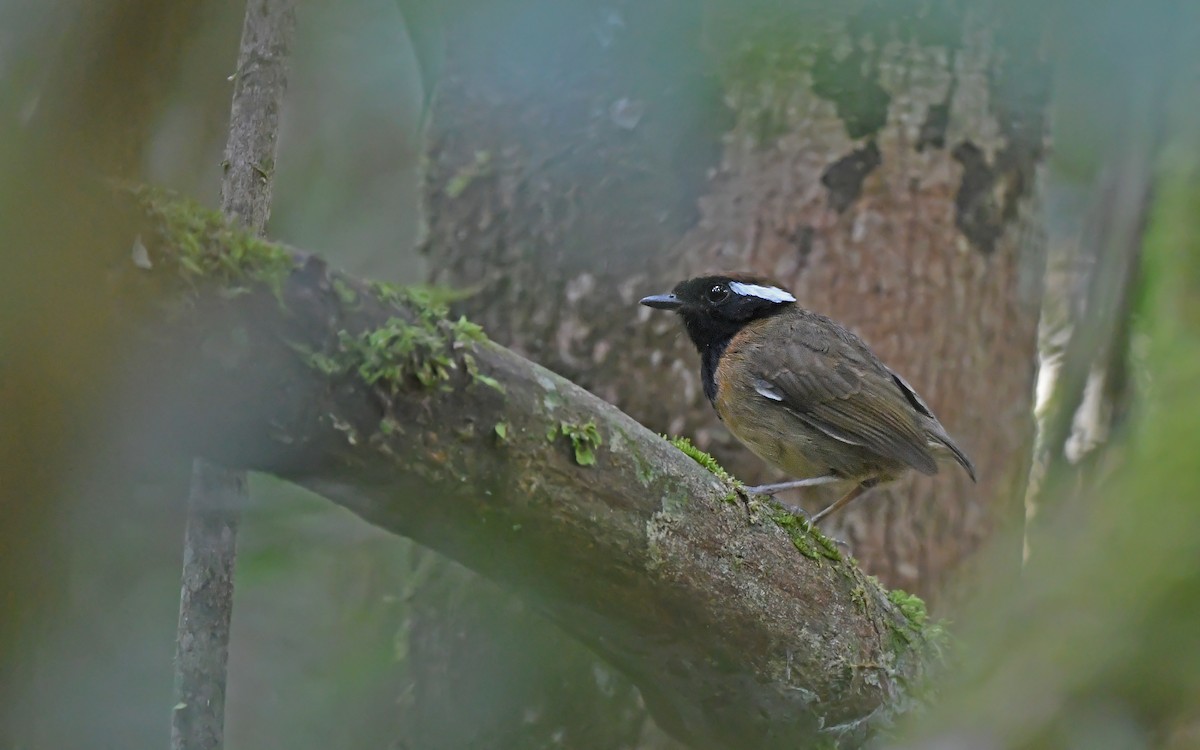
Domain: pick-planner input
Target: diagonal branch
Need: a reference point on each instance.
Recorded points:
(742, 627)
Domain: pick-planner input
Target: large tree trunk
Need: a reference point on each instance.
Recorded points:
(880, 165)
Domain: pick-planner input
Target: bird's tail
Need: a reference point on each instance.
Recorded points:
(942, 439)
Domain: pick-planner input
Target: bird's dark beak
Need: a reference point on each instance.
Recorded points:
(662, 301)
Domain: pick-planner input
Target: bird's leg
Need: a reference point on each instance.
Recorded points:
(796, 510)
(858, 490)
(769, 489)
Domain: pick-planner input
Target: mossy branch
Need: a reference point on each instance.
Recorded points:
(743, 626)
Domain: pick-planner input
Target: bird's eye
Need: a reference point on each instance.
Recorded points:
(717, 293)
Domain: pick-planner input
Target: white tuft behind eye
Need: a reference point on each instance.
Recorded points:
(769, 293)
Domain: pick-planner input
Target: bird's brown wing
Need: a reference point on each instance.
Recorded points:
(837, 387)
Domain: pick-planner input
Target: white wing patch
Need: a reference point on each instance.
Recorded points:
(769, 293)
(766, 390)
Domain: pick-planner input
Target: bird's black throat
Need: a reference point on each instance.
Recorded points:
(711, 336)
(709, 357)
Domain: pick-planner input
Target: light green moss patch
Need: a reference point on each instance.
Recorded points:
(400, 349)
(396, 350)
(806, 538)
(466, 331)
(389, 426)
(930, 636)
(429, 303)
(204, 245)
(585, 439)
(708, 462)
(704, 459)
(913, 607)
(479, 377)
(480, 166)
(320, 362)
(858, 595)
(345, 293)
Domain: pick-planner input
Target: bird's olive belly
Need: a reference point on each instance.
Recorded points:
(782, 439)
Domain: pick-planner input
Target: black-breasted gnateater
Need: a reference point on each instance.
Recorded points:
(802, 392)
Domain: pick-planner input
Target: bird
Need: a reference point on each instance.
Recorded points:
(803, 392)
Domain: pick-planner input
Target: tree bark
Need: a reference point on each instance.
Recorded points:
(880, 162)
(740, 625)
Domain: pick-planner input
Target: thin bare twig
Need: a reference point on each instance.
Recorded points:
(210, 541)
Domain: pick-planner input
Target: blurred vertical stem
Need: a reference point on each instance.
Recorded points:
(1111, 247)
(110, 65)
(210, 540)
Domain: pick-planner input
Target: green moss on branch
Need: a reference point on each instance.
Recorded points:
(806, 538)
(201, 244)
(704, 459)
(710, 463)
(396, 351)
(416, 344)
(401, 351)
(585, 439)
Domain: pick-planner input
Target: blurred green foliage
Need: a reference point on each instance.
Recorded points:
(1097, 645)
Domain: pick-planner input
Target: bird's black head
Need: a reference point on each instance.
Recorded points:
(714, 308)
